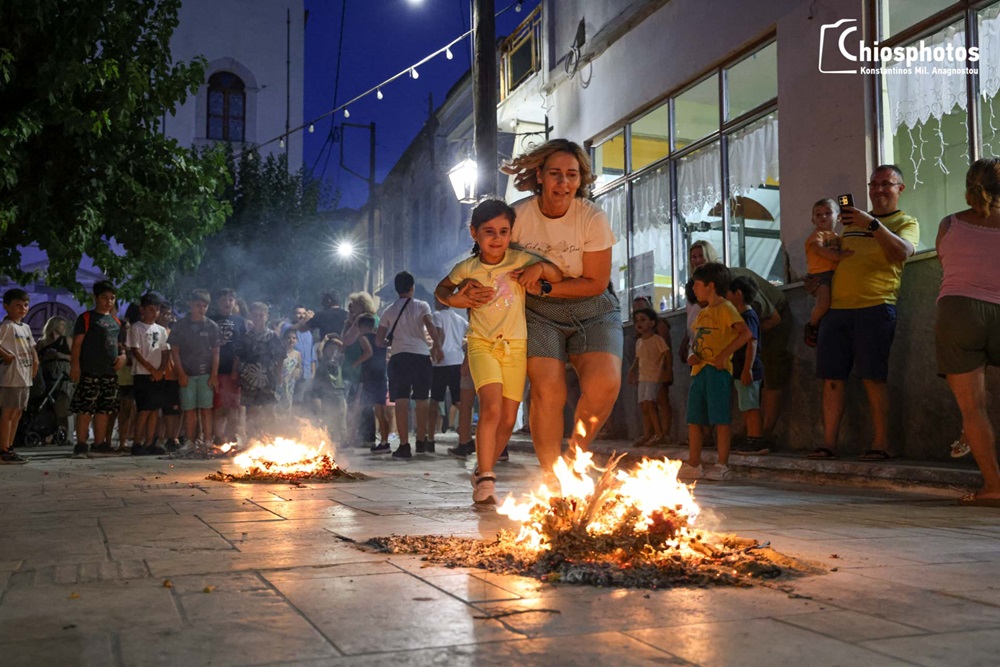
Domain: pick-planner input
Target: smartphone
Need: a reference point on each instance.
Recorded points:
(845, 200)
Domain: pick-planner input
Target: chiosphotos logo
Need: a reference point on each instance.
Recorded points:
(842, 51)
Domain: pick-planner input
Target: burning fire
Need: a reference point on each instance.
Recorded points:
(285, 460)
(648, 503)
(283, 456)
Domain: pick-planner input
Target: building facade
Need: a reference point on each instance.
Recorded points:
(726, 120)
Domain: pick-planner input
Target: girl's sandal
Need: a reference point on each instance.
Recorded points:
(821, 453)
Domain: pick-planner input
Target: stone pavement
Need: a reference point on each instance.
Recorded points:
(268, 575)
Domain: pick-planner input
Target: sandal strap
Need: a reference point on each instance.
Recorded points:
(486, 476)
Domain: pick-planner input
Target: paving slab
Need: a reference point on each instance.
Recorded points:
(263, 574)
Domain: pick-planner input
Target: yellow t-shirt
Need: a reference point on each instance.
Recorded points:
(712, 333)
(503, 317)
(867, 278)
(814, 263)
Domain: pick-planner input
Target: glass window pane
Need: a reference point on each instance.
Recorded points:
(214, 127)
(754, 202)
(652, 258)
(613, 204)
(752, 81)
(216, 103)
(235, 129)
(898, 15)
(236, 105)
(696, 112)
(989, 79)
(609, 160)
(925, 132)
(699, 192)
(651, 137)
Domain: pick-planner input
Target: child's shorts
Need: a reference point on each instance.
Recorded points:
(227, 393)
(503, 361)
(816, 280)
(708, 397)
(648, 391)
(14, 398)
(148, 394)
(96, 395)
(171, 398)
(197, 395)
(747, 396)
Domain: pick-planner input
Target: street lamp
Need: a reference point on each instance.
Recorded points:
(463, 177)
(345, 250)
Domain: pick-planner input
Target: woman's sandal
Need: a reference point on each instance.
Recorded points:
(822, 453)
(959, 448)
(876, 455)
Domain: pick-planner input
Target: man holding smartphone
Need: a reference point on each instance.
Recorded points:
(861, 323)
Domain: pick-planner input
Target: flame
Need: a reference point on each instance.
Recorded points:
(283, 456)
(638, 499)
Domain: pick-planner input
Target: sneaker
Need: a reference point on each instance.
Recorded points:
(81, 451)
(719, 473)
(421, 446)
(690, 472)
(429, 446)
(811, 335)
(463, 449)
(9, 456)
(156, 450)
(504, 455)
(753, 447)
(103, 448)
(139, 450)
(402, 452)
(171, 445)
(485, 490)
(218, 441)
(380, 448)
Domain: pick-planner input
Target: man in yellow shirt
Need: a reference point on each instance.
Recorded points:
(861, 323)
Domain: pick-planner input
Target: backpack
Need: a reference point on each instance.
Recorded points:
(86, 322)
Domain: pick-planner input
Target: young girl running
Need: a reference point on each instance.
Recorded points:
(498, 331)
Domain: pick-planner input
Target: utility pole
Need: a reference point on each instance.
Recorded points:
(288, 79)
(484, 95)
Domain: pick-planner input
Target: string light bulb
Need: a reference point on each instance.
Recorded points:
(414, 74)
(448, 54)
(281, 143)
(312, 128)
(347, 114)
(378, 93)
(517, 7)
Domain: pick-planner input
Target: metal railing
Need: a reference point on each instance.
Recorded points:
(521, 53)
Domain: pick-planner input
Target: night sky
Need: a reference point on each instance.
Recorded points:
(381, 38)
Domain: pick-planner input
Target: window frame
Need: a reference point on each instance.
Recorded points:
(226, 117)
(671, 160)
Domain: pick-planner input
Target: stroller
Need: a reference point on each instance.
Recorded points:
(39, 422)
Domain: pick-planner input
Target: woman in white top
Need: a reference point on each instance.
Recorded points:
(577, 320)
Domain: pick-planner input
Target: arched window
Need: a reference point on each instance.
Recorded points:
(226, 107)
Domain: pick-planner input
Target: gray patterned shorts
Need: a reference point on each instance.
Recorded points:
(560, 328)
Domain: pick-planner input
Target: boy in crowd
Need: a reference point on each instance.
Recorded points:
(98, 352)
(194, 346)
(410, 372)
(447, 373)
(748, 370)
(718, 331)
(304, 344)
(170, 425)
(226, 401)
(652, 354)
(329, 389)
(18, 366)
(148, 342)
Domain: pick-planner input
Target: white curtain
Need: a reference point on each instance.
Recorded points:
(652, 200)
(916, 98)
(698, 182)
(753, 156)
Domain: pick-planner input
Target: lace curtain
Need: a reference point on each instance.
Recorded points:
(916, 98)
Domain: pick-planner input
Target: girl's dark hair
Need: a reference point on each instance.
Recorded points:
(487, 209)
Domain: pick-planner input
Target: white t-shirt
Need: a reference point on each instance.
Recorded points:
(454, 327)
(16, 339)
(410, 335)
(151, 341)
(562, 241)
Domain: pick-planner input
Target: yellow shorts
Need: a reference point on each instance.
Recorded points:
(502, 361)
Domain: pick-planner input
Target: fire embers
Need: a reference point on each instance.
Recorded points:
(631, 529)
(285, 460)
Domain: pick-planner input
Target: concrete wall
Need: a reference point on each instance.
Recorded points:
(248, 38)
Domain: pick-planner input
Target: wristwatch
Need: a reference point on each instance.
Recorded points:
(546, 287)
(874, 225)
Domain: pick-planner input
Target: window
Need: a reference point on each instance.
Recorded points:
(898, 15)
(226, 107)
(925, 120)
(674, 190)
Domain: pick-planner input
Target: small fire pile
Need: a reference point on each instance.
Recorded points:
(628, 528)
(285, 460)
